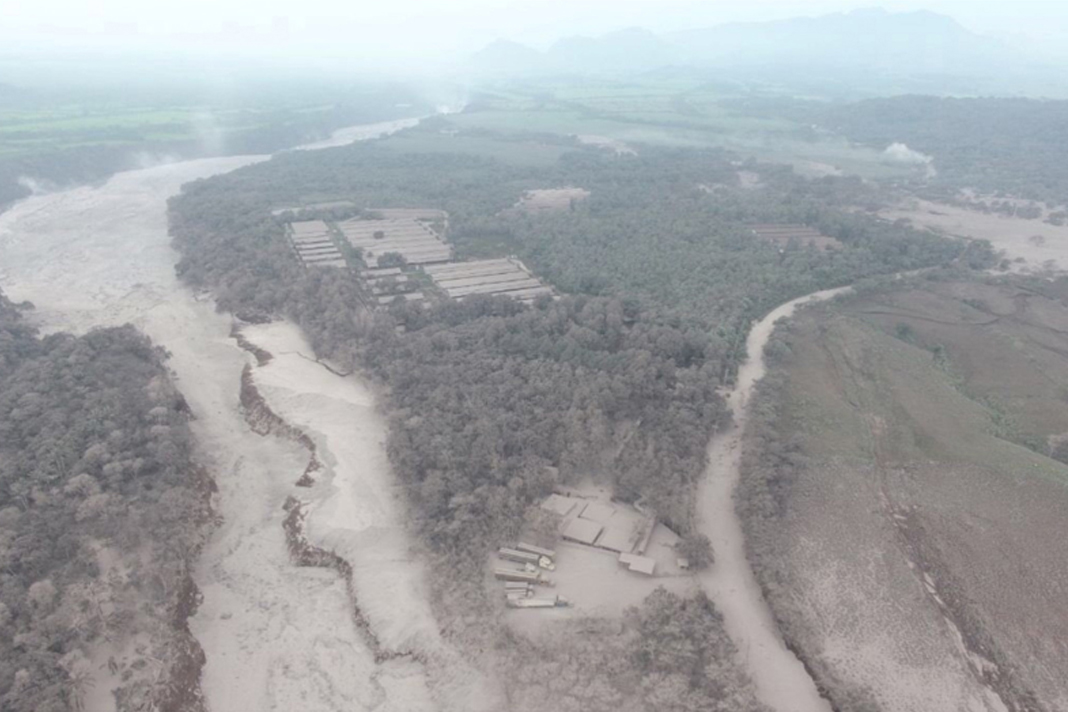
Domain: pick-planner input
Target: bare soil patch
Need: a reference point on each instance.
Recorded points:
(550, 199)
(1040, 245)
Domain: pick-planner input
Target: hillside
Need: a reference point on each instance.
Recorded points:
(873, 39)
(871, 49)
(899, 488)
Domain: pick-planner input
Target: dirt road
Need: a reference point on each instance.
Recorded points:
(781, 681)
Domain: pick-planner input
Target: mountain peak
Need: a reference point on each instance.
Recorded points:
(857, 43)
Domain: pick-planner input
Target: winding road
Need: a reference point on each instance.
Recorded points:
(781, 680)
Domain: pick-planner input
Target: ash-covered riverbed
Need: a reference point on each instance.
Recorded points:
(276, 636)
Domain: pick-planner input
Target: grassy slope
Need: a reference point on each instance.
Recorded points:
(909, 465)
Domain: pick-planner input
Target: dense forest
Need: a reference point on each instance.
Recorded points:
(672, 656)
(618, 379)
(101, 513)
(668, 227)
(1001, 146)
(493, 403)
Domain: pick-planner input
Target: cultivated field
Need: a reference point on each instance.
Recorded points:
(899, 507)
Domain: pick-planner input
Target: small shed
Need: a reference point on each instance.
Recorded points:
(641, 564)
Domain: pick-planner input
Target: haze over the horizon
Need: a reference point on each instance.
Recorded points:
(401, 33)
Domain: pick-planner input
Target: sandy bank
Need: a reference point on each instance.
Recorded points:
(356, 510)
(1040, 244)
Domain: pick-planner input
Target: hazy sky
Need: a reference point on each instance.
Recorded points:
(397, 29)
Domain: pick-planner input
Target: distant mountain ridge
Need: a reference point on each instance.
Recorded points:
(872, 40)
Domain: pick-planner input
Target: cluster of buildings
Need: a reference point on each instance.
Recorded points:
(313, 245)
(413, 239)
(508, 277)
(622, 531)
(388, 283)
(521, 568)
(426, 268)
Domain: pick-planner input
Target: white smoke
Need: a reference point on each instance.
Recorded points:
(209, 134)
(456, 107)
(901, 154)
(33, 185)
(145, 159)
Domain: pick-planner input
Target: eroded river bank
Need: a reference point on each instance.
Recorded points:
(276, 636)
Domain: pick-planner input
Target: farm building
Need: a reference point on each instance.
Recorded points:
(559, 504)
(641, 564)
(416, 242)
(618, 528)
(387, 284)
(426, 214)
(381, 272)
(582, 531)
(597, 512)
(313, 245)
(619, 537)
(506, 277)
(784, 234)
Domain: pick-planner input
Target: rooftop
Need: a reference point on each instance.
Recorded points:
(582, 530)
